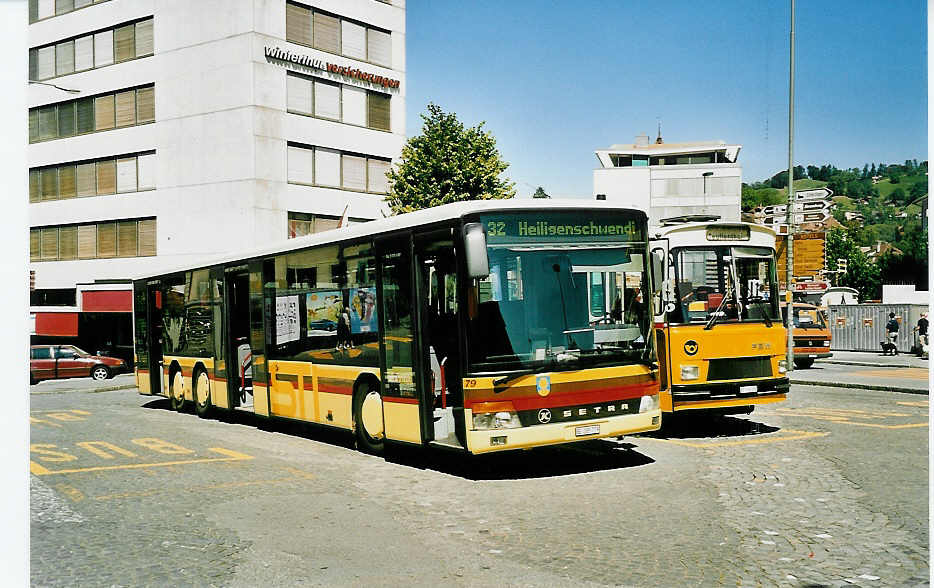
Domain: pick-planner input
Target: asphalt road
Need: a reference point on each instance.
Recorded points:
(829, 488)
(867, 376)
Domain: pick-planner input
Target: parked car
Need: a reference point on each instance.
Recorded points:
(323, 325)
(48, 362)
(811, 334)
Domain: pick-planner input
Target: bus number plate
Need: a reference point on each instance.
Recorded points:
(748, 389)
(586, 430)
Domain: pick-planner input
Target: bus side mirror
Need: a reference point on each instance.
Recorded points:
(658, 269)
(478, 264)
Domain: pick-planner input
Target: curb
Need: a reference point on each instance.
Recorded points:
(862, 386)
(90, 391)
(868, 364)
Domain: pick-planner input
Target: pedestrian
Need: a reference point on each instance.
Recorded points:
(922, 330)
(343, 329)
(891, 333)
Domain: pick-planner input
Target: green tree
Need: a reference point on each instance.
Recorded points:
(861, 273)
(447, 163)
(540, 193)
(917, 190)
(898, 196)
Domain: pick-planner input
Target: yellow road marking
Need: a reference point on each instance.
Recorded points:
(70, 491)
(35, 421)
(844, 417)
(770, 439)
(231, 456)
(74, 410)
(920, 403)
(913, 373)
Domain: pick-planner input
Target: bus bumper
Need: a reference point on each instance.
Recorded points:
(706, 396)
(485, 441)
(812, 353)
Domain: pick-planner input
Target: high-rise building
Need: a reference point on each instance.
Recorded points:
(163, 131)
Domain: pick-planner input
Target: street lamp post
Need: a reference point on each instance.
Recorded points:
(790, 216)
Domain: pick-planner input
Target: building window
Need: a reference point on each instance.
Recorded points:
(126, 173)
(86, 115)
(302, 223)
(105, 239)
(42, 9)
(93, 50)
(340, 102)
(319, 166)
(335, 34)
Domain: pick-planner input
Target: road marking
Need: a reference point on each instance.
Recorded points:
(794, 435)
(919, 403)
(40, 470)
(35, 421)
(59, 411)
(912, 373)
(849, 417)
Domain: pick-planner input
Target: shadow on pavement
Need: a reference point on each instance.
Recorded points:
(706, 427)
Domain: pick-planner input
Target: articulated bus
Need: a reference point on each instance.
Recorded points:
(719, 333)
(464, 326)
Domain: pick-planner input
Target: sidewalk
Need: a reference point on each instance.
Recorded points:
(118, 382)
(875, 359)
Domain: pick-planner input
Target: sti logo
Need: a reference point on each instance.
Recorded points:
(690, 347)
(543, 385)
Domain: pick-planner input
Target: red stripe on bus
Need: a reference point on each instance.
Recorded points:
(335, 389)
(400, 400)
(574, 399)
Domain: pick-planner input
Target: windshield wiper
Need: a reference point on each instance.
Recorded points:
(716, 313)
(506, 379)
(762, 307)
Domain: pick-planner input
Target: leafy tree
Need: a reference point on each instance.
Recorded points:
(540, 193)
(894, 177)
(447, 163)
(861, 273)
(763, 196)
(872, 170)
(799, 172)
(865, 173)
(917, 190)
(813, 172)
(898, 196)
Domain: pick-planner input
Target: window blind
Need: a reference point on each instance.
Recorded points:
(49, 243)
(147, 237)
(124, 43)
(63, 6)
(107, 239)
(33, 13)
(86, 181)
(33, 125)
(297, 24)
(126, 239)
(301, 163)
(106, 177)
(146, 105)
(33, 64)
(65, 58)
(34, 193)
(327, 100)
(34, 244)
(66, 181)
(353, 40)
(353, 105)
(66, 119)
(68, 242)
(327, 32)
(298, 94)
(353, 172)
(378, 111)
(104, 112)
(82, 3)
(48, 122)
(126, 174)
(126, 108)
(84, 53)
(376, 175)
(144, 38)
(379, 47)
(46, 62)
(327, 167)
(146, 171)
(87, 241)
(103, 48)
(49, 183)
(85, 115)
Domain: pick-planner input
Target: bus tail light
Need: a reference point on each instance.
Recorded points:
(495, 415)
(648, 403)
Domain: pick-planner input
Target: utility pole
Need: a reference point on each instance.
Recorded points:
(789, 266)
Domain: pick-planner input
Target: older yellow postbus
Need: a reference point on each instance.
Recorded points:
(463, 326)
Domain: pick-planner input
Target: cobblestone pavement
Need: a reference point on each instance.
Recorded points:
(827, 489)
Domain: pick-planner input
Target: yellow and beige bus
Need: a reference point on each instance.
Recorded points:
(463, 326)
(720, 338)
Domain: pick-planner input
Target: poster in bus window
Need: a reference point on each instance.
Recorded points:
(363, 314)
(322, 308)
(286, 319)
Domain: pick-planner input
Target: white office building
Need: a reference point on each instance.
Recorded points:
(164, 131)
(672, 179)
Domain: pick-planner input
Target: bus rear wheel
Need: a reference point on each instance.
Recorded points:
(177, 392)
(368, 420)
(202, 394)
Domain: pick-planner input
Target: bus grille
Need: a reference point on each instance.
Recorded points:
(735, 368)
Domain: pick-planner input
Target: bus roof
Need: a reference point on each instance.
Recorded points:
(687, 234)
(428, 216)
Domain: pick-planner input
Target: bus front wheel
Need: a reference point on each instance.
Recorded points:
(177, 392)
(368, 420)
(202, 394)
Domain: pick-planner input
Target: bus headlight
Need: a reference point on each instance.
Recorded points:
(690, 372)
(648, 403)
(827, 343)
(496, 420)
(782, 366)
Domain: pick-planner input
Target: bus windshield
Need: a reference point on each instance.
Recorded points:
(724, 283)
(559, 301)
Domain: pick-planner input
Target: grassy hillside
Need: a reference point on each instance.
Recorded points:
(886, 187)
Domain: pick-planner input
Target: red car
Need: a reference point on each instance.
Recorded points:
(48, 362)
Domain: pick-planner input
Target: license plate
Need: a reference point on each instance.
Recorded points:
(813, 355)
(748, 389)
(586, 430)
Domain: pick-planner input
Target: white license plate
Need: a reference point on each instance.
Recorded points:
(748, 389)
(813, 355)
(586, 430)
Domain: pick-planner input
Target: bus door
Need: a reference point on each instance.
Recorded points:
(154, 319)
(663, 301)
(402, 391)
(442, 411)
(237, 330)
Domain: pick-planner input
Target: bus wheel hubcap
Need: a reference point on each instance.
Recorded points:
(202, 391)
(371, 413)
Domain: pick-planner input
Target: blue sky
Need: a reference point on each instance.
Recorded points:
(556, 80)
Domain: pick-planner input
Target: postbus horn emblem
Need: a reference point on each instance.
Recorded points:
(690, 347)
